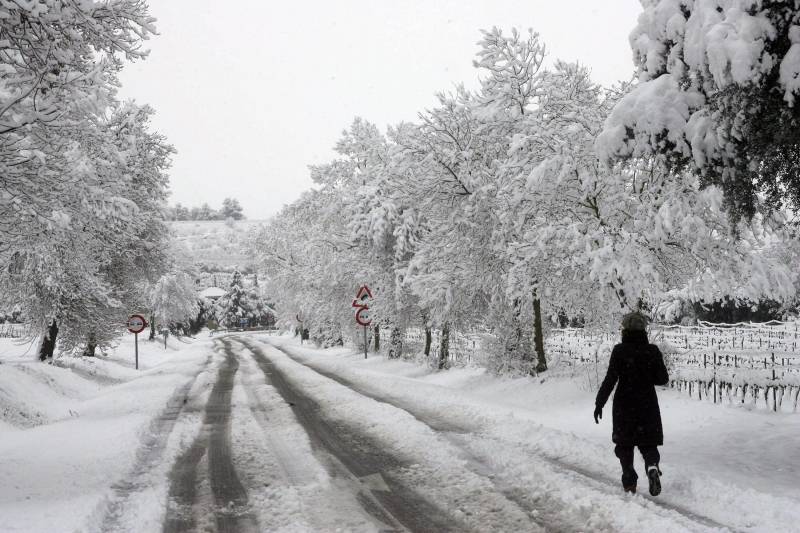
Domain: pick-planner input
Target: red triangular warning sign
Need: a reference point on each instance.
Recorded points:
(363, 293)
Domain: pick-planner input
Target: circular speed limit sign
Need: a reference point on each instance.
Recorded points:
(136, 323)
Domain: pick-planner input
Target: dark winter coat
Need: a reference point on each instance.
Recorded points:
(635, 368)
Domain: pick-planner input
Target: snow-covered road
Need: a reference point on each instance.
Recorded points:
(561, 479)
(476, 448)
(256, 433)
(469, 480)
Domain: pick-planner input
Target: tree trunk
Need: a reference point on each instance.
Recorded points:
(48, 345)
(428, 339)
(91, 346)
(377, 338)
(538, 337)
(396, 343)
(444, 346)
(152, 327)
(518, 343)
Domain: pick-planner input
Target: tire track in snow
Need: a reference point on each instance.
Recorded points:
(454, 433)
(231, 510)
(291, 460)
(449, 431)
(148, 456)
(289, 482)
(356, 456)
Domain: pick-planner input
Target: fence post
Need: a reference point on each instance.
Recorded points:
(774, 394)
(714, 377)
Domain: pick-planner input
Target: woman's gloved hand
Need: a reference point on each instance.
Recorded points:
(598, 414)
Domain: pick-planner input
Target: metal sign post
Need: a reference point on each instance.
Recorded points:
(136, 324)
(362, 315)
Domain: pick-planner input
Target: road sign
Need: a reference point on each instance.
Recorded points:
(360, 303)
(364, 293)
(362, 314)
(136, 323)
(362, 317)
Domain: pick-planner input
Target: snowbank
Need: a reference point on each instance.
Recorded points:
(74, 430)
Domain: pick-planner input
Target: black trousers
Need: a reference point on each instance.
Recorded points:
(625, 454)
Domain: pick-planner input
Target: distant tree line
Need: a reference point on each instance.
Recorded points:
(230, 209)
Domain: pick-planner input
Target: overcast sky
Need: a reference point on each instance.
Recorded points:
(252, 92)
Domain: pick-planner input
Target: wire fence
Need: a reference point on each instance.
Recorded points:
(9, 330)
(464, 348)
(756, 364)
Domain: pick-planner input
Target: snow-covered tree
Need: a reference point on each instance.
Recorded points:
(718, 82)
(59, 63)
(466, 179)
(262, 314)
(306, 256)
(231, 209)
(173, 299)
(494, 210)
(235, 305)
(83, 178)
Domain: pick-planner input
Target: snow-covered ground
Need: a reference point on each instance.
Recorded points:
(91, 445)
(735, 466)
(79, 438)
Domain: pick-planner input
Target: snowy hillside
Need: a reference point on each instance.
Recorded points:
(215, 244)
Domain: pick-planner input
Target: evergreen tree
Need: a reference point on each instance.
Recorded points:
(235, 305)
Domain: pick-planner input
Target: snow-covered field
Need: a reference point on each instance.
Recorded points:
(89, 444)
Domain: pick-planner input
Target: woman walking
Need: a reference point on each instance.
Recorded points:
(635, 367)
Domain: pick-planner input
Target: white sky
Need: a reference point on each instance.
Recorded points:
(252, 92)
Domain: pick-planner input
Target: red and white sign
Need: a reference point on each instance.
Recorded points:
(360, 303)
(136, 323)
